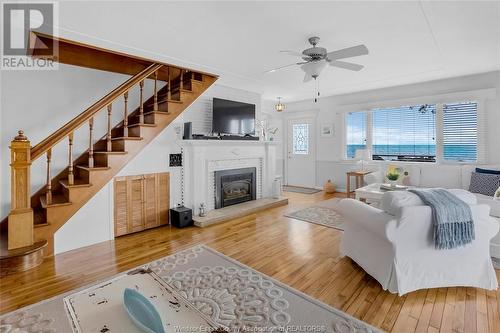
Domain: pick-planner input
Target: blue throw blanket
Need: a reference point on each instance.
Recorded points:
(452, 218)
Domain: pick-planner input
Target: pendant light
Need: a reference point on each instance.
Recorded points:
(280, 106)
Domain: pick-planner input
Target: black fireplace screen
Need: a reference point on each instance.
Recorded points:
(234, 186)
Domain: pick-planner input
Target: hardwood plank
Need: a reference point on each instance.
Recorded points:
(302, 255)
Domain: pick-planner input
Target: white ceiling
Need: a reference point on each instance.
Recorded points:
(409, 41)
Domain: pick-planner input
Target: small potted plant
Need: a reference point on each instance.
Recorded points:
(393, 175)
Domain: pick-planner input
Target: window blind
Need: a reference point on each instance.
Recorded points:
(460, 131)
(405, 133)
(355, 132)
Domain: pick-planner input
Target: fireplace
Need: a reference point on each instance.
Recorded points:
(234, 186)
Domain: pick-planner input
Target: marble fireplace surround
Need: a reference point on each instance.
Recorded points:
(203, 157)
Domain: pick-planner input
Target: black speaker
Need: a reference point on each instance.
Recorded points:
(188, 135)
(181, 217)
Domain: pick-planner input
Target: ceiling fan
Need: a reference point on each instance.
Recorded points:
(316, 58)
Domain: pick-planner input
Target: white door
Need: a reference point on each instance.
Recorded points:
(301, 158)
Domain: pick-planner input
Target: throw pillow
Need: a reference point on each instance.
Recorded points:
(497, 194)
(494, 172)
(484, 183)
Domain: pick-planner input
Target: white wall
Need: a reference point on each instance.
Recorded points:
(330, 163)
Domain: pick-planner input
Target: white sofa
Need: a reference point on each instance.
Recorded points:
(438, 175)
(445, 176)
(398, 251)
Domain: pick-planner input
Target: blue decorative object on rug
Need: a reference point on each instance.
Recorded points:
(484, 183)
(490, 171)
(142, 312)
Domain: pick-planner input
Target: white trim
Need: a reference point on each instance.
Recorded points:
(481, 94)
(439, 133)
(309, 115)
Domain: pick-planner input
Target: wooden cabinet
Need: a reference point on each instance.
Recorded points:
(141, 202)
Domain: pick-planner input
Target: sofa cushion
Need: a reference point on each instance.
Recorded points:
(487, 200)
(393, 201)
(467, 170)
(494, 172)
(484, 183)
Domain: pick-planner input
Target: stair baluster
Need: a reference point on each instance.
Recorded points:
(48, 193)
(169, 83)
(141, 104)
(71, 177)
(108, 136)
(155, 94)
(181, 84)
(91, 144)
(125, 115)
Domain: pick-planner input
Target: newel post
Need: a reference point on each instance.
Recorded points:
(21, 215)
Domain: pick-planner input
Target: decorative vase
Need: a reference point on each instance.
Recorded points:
(406, 179)
(393, 183)
(329, 187)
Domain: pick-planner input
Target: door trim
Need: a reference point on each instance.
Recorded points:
(310, 115)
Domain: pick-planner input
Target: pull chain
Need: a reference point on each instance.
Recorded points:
(316, 81)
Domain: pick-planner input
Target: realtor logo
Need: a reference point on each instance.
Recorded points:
(21, 49)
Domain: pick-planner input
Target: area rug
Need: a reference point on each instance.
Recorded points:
(322, 213)
(235, 296)
(298, 189)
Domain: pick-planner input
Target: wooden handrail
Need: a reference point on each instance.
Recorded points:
(86, 115)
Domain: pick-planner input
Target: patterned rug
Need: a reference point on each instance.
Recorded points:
(298, 189)
(323, 213)
(235, 296)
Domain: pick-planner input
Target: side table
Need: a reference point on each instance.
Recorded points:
(360, 178)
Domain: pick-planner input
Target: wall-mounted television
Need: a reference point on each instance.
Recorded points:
(231, 117)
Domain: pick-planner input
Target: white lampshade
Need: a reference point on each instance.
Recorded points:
(363, 155)
(314, 68)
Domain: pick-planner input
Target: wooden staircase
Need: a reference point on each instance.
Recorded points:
(34, 220)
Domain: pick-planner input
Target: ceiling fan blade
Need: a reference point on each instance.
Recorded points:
(307, 78)
(293, 53)
(283, 67)
(346, 65)
(353, 51)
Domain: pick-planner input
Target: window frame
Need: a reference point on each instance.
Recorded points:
(478, 97)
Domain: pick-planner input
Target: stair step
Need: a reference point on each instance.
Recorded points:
(156, 112)
(145, 125)
(95, 168)
(186, 91)
(58, 200)
(128, 137)
(40, 225)
(110, 152)
(161, 100)
(77, 183)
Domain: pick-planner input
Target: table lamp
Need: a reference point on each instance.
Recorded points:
(363, 155)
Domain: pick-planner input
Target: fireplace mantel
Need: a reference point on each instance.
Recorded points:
(203, 157)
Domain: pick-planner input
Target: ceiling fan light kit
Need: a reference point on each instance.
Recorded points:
(316, 58)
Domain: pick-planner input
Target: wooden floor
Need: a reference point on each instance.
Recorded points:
(300, 254)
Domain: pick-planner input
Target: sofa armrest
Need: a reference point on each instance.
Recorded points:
(365, 216)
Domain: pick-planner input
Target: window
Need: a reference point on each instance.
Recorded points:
(300, 139)
(406, 133)
(460, 131)
(355, 132)
(413, 133)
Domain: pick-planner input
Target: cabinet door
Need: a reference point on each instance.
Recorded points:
(135, 205)
(120, 187)
(150, 202)
(163, 197)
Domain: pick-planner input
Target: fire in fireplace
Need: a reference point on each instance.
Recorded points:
(234, 186)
